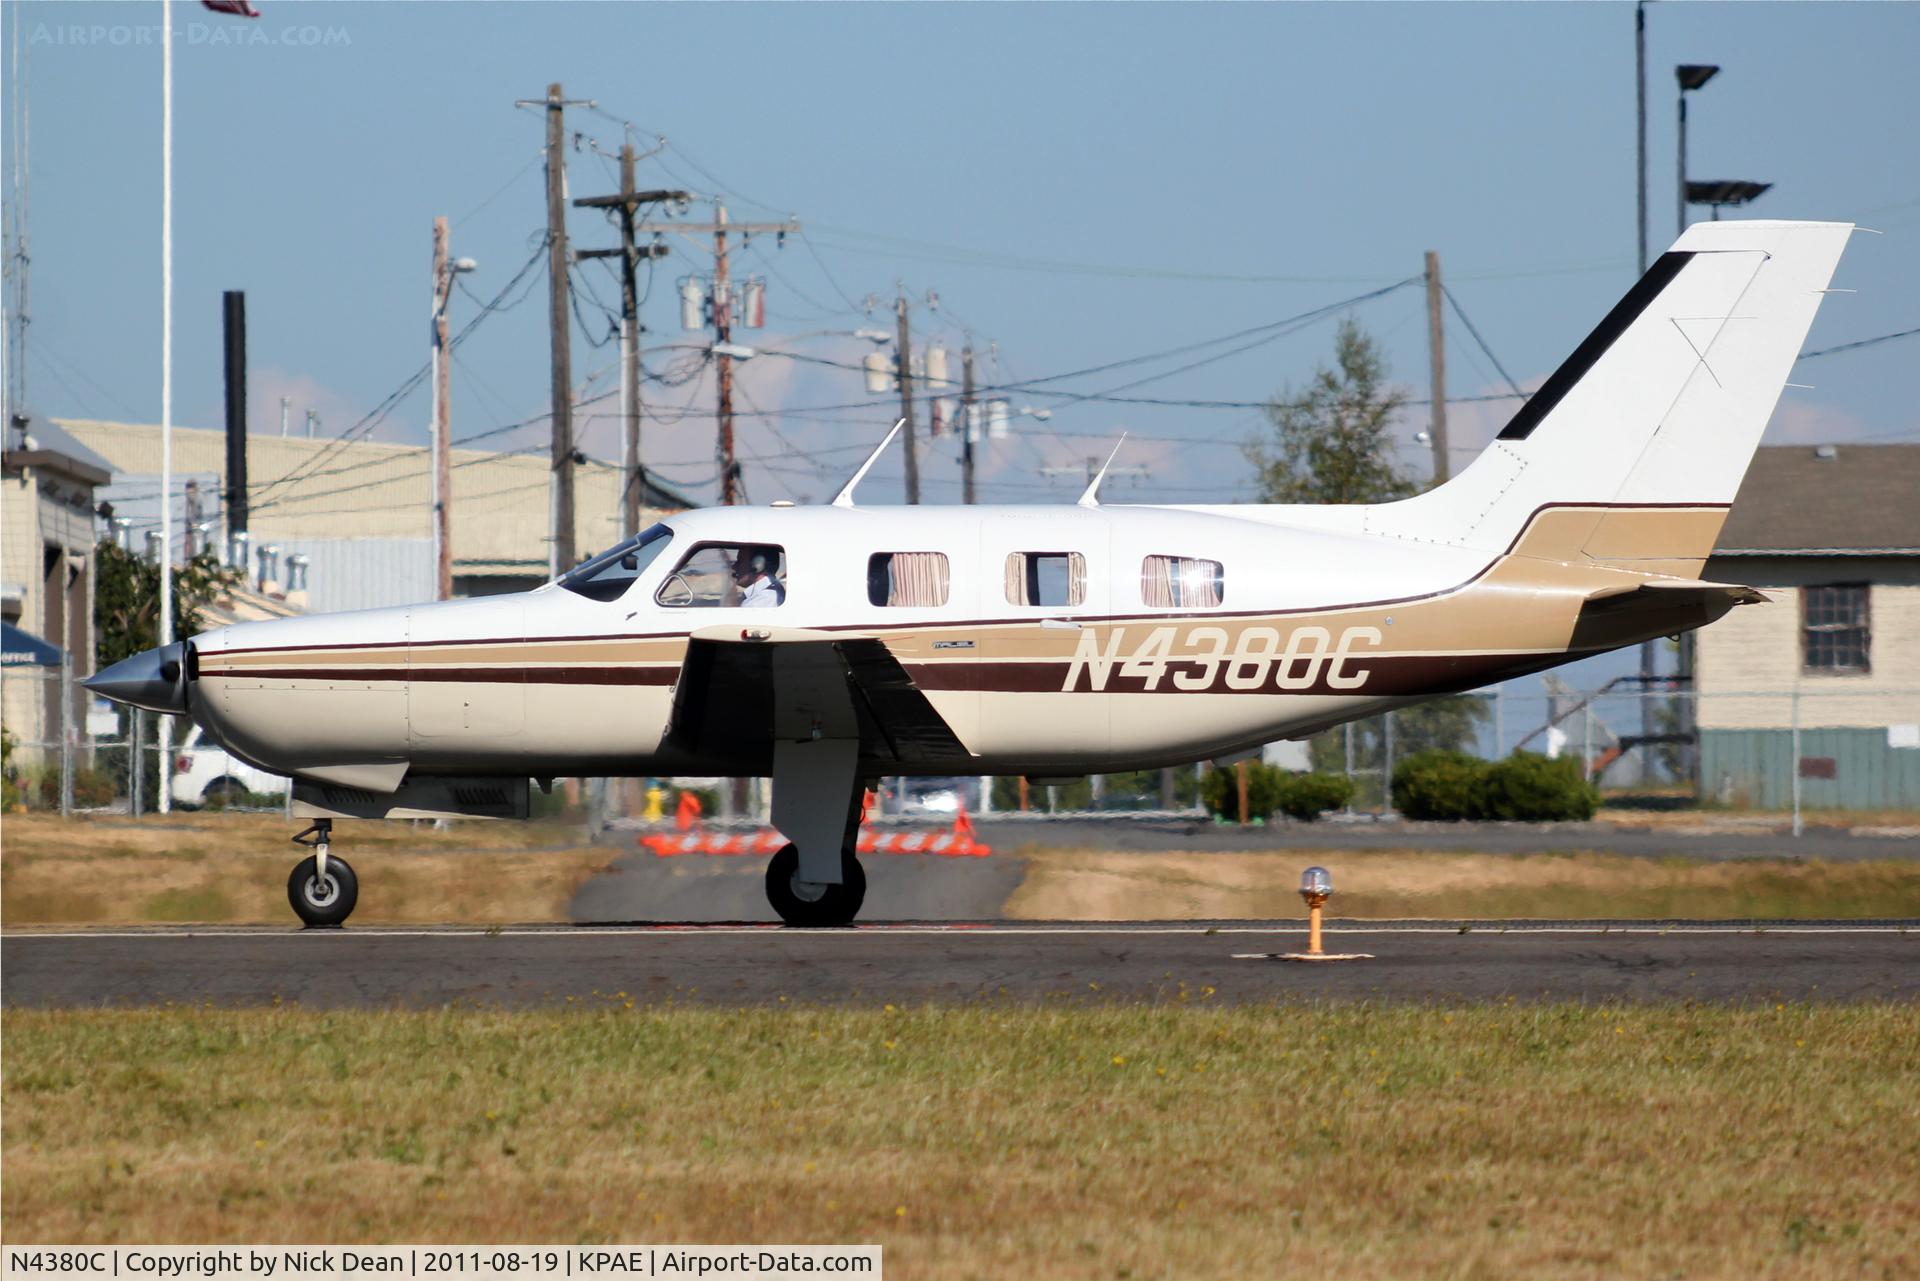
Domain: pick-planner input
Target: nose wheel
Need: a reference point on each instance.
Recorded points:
(322, 887)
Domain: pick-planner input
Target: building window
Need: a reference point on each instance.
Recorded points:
(912, 579)
(1835, 628)
(1181, 582)
(1046, 578)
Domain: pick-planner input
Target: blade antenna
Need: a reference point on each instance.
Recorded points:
(845, 497)
(1092, 497)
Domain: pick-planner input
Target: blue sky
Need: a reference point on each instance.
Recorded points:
(1079, 184)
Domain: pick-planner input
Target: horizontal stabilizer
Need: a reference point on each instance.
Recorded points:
(1677, 591)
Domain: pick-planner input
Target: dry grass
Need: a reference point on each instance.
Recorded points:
(231, 868)
(1099, 885)
(1179, 1141)
(1692, 818)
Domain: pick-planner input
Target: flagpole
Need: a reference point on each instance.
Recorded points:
(166, 378)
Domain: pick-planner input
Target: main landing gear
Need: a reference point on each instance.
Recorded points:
(815, 880)
(322, 888)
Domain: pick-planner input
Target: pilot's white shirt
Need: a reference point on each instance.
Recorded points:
(762, 593)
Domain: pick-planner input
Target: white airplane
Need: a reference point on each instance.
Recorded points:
(826, 646)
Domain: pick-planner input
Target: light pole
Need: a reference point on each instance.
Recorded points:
(1721, 192)
(1690, 75)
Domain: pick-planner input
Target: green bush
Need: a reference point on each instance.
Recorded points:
(1272, 790)
(1439, 785)
(1528, 787)
(1308, 796)
(11, 796)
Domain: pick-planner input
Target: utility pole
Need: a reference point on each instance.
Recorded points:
(628, 202)
(561, 556)
(966, 424)
(442, 436)
(722, 319)
(723, 369)
(1640, 112)
(1649, 650)
(1437, 363)
(904, 363)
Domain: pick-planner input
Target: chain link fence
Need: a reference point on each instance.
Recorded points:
(1835, 748)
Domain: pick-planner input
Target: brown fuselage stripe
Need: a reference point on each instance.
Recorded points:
(1382, 675)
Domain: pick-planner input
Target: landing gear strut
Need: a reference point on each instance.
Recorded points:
(322, 888)
(816, 880)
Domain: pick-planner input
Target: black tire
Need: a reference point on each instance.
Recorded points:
(315, 907)
(222, 792)
(838, 905)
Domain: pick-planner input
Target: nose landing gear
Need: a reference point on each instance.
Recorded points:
(322, 888)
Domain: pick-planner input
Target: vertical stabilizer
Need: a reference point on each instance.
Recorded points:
(1659, 410)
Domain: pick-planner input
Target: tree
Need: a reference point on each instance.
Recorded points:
(1333, 443)
(126, 600)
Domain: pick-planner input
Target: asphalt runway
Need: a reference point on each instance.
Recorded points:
(1708, 840)
(1227, 962)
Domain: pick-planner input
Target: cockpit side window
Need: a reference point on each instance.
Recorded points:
(607, 576)
(727, 575)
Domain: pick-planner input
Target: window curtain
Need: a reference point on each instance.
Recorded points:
(1200, 582)
(917, 579)
(1156, 582)
(1183, 582)
(1016, 578)
(1076, 578)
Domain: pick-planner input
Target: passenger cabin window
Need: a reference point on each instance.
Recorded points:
(727, 575)
(907, 579)
(1836, 632)
(1181, 582)
(1046, 578)
(607, 577)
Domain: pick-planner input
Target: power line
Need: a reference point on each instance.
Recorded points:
(1481, 342)
(374, 417)
(1855, 346)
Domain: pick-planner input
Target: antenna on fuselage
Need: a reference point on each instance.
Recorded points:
(845, 497)
(1092, 497)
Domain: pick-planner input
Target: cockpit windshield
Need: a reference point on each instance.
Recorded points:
(607, 576)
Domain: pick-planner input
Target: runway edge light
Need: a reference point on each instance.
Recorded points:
(1316, 886)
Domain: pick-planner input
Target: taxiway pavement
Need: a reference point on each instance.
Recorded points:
(1224, 962)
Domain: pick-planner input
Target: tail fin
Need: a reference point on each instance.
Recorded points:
(1649, 426)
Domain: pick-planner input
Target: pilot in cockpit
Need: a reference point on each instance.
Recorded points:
(753, 576)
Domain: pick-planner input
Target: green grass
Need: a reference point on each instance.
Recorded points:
(989, 1140)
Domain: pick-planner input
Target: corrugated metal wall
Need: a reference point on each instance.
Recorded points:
(1756, 767)
(363, 573)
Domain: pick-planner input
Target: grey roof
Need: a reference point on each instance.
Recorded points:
(1836, 499)
(46, 436)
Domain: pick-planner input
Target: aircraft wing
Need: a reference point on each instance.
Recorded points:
(740, 689)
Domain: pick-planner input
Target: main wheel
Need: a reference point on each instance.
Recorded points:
(810, 906)
(322, 904)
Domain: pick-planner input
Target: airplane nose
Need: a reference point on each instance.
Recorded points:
(156, 680)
